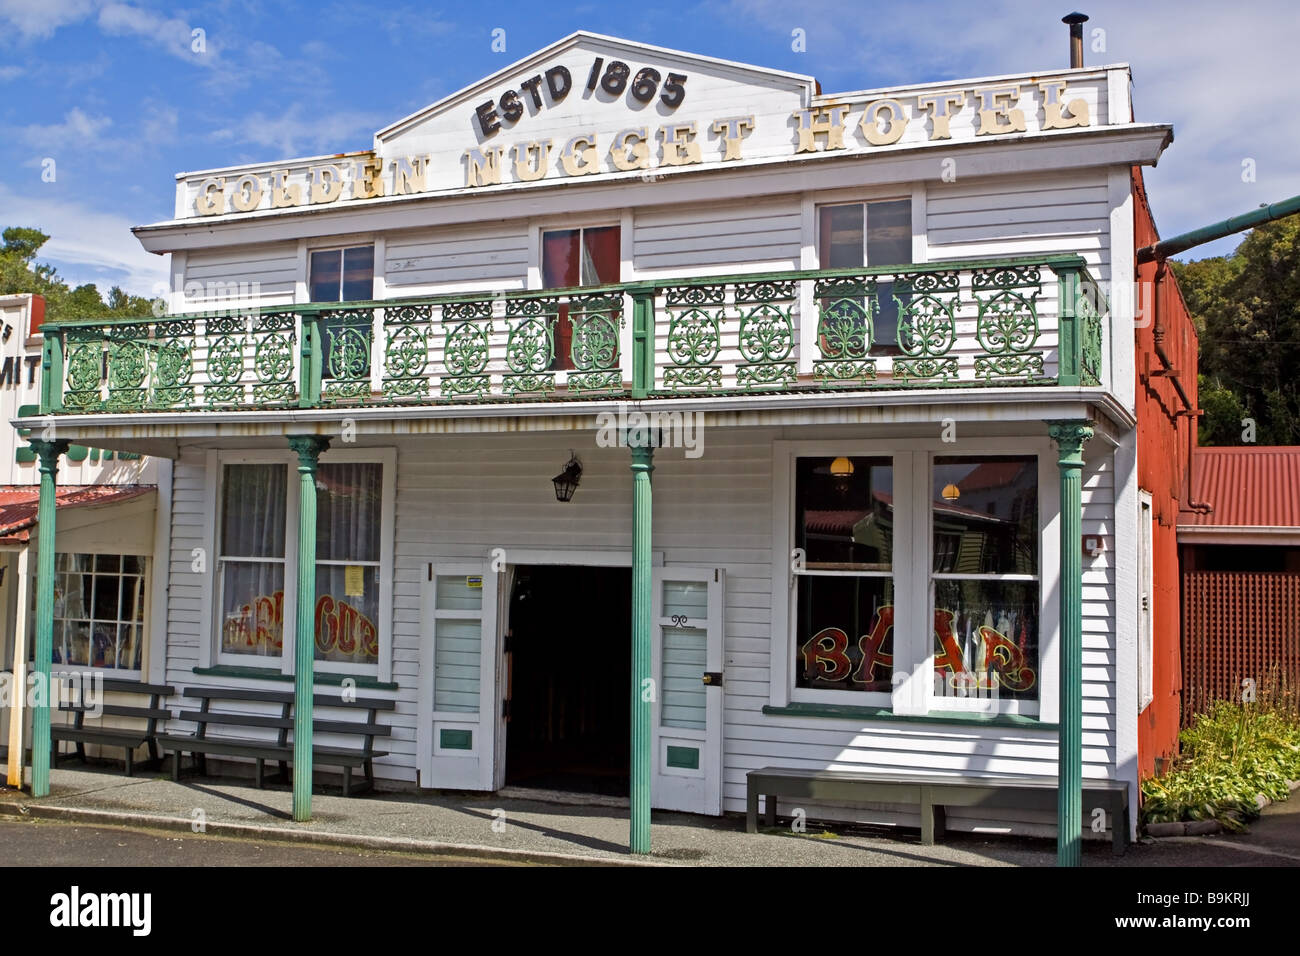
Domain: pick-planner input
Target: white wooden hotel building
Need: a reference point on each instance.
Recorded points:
(855, 317)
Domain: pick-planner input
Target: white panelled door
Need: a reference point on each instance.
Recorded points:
(686, 664)
(456, 735)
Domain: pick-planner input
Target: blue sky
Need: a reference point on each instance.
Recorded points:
(115, 94)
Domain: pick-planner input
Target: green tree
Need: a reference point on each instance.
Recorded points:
(1247, 312)
(20, 272)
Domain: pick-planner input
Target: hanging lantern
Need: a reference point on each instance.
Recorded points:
(841, 468)
(567, 481)
(951, 492)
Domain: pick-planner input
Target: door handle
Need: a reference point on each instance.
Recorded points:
(712, 678)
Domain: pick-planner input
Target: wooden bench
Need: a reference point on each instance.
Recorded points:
(280, 750)
(125, 737)
(932, 794)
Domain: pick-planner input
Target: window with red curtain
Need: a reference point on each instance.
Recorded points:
(572, 258)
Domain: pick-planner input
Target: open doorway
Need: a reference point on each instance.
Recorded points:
(570, 676)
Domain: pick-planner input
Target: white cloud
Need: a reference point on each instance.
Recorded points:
(159, 124)
(86, 245)
(78, 130)
(10, 72)
(294, 133)
(171, 34)
(37, 20)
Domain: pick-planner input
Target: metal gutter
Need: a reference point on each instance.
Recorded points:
(1181, 243)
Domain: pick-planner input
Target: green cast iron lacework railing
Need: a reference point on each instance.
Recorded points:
(936, 325)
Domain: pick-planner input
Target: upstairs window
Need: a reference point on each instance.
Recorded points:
(577, 257)
(857, 235)
(344, 275)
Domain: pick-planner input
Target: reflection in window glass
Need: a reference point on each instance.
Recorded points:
(986, 588)
(844, 523)
(98, 611)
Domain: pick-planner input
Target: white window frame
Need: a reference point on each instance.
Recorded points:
(212, 654)
(333, 244)
(913, 691)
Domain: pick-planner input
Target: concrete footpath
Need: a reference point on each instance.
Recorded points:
(541, 828)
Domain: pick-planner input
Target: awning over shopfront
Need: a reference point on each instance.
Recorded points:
(18, 505)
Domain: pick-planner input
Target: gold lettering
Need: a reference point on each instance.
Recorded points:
(326, 183)
(996, 106)
(248, 192)
(368, 178)
(282, 194)
(579, 156)
(870, 122)
(211, 200)
(733, 131)
(482, 166)
(680, 148)
(408, 174)
(941, 107)
(630, 150)
(527, 171)
(1054, 111)
(824, 120)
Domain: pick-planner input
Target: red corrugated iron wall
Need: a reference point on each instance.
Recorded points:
(1237, 625)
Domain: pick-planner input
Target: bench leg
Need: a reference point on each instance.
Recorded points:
(932, 821)
(176, 766)
(81, 751)
(284, 772)
(201, 761)
(769, 809)
(153, 750)
(347, 781)
(261, 769)
(130, 755)
(751, 810)
(369, 768)
(1119, 829)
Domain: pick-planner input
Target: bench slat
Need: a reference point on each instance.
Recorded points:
(118, 710)
(235, 720)
(241, 693)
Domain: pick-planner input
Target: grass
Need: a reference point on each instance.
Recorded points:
(1229, 756)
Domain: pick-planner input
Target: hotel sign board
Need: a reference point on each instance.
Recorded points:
(592, 107)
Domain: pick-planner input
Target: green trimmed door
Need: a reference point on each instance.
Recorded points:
(686, 664)
(456, 733)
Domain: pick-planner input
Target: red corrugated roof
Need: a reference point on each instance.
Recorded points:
(1257, 486)
(18, 504)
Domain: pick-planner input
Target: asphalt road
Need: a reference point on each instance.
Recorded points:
(48, 843)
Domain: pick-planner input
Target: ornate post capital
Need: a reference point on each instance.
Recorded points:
(308, 448)
(48, 452)
(1070, 435)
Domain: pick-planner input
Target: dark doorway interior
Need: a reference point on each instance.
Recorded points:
(571, 671)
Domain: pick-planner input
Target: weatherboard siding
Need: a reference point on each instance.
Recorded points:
(460, 496)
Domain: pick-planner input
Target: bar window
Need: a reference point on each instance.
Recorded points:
(573, 258)
(986, 577)
(349, 498)
(857, 235)
(250, 563)
(844, 523)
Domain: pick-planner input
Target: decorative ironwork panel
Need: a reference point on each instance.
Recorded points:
(766, 334)
(845, 308)
(406, 351)
(226, 336)
(695, 317)
(1089, 320)
(927, 325)
(273, 344)
(530, 345)
(348, 340)
(465, 355)
(128, 365)
(596, 321)
(173, 364)
(85, 368)
(1007, 324)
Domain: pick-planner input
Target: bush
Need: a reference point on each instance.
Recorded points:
(1228, 756)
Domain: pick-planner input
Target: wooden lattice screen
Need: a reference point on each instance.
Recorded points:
(1237, 625)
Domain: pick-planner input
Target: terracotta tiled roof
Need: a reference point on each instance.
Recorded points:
(1247, 486)
(18, 504)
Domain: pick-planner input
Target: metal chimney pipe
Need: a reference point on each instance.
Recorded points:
(1076, 22)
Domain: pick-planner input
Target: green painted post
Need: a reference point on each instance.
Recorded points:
(643, 340)
(308, 449)
(1070, 437)
(309, 365)
(51, 388)
(1070, 350)
(48, 452)
(642, 446)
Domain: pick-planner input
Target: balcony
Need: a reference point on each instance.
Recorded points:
(986, 323)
